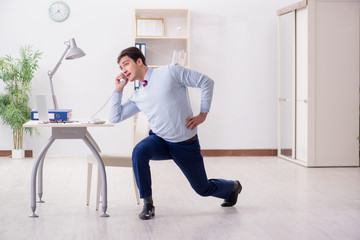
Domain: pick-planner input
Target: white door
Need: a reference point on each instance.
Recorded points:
(286, 90)
(301, 84)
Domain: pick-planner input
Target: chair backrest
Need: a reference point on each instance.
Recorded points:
(140, 128)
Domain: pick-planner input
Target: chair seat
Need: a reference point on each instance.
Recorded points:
(112, 160)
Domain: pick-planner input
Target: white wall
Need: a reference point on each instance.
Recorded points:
(232, 41)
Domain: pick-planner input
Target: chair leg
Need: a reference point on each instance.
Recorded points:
(89, 176)
(98, 189)
(136, 190)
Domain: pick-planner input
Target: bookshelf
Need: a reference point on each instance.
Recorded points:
(176, 35)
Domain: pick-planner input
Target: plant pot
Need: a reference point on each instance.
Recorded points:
(18, 153)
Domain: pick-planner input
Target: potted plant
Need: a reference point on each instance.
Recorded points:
(17, 75)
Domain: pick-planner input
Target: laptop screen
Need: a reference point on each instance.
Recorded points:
(42, 108)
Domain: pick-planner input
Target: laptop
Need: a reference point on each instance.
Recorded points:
(42, 108)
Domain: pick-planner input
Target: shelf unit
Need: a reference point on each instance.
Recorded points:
(159, 50)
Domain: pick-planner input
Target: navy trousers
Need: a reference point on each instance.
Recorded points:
(187, 156)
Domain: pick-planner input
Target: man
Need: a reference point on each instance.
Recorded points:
(163, 98)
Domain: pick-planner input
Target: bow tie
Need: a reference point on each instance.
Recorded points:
(145, 82)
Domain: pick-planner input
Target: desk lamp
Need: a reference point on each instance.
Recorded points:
(72, 52)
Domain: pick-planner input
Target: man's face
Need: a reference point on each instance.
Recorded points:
(129, 67)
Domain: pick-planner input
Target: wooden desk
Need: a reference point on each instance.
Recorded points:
(76, 130)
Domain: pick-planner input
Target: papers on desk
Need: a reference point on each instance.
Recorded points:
(87, 121)
(80, 123)
(95, 121)
(73, 122)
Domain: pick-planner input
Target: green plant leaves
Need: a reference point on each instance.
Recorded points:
(17, 75)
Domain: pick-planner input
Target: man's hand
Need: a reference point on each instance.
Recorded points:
(119, 86)
(193, 122)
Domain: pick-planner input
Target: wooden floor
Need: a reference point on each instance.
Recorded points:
(280, 200)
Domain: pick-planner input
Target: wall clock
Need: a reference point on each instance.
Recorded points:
(59, 11)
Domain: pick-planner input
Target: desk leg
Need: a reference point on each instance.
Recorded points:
(91, 139)
(40, 178)
(33, 176)
(102, 173)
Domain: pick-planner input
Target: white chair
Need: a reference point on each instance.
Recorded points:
(140, 131)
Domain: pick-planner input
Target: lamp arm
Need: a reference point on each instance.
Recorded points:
(52, 73)
(52, 93)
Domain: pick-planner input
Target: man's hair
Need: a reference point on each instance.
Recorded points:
(134, 53)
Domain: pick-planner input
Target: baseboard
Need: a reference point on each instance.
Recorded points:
(7, 153)
(205, 152)
(238, 152)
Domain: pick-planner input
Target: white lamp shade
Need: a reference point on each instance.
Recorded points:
(74, 51)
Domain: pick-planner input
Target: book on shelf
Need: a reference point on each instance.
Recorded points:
(142, 47)
(136, 85)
